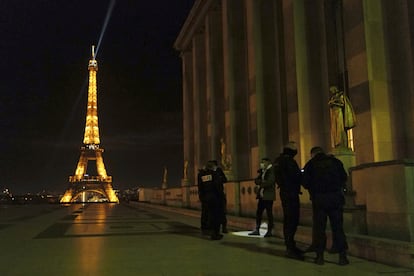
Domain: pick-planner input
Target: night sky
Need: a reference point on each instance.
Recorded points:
(45, 47)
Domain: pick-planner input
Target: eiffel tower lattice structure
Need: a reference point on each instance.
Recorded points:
(90, 174)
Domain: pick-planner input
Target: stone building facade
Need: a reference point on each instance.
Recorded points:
(256, 74)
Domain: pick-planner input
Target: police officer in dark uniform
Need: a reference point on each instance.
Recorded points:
(221, 178)
(325, 178)
(211, 194)
(288, 179)
(204, 207)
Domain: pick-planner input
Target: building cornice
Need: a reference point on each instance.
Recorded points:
(193, 23)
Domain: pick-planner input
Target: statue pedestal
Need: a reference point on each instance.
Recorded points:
(354, 215)
(346, 155)
(185, 182)
(229, 175)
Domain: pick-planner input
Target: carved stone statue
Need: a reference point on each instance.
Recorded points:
(342, 117)
(222, 151)
(225, 158)
(165, 175)
(185, 172)
(228, 163)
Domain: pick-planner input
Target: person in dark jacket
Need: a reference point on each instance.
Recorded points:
(204, 220)
(288, 179)
(221, 178)
(210, 193)
(266, 195)
(325, 179)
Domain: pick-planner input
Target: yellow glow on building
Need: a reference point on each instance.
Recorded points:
(350, 136)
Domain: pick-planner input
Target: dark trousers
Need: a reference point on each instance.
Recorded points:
(291, 213)
(215, 213)
(261, 206)
(204, 216)
(328, 206)
(224, 208)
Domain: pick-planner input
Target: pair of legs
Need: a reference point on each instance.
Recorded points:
(261, 206)
(215, 215)
(291, 213)
(204, 218)
(208, 223)
(328, 206)
(224, 218)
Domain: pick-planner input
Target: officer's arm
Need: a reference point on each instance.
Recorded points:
(223, 176)
(306, 179)
(293, 171)
(200, 187)
(342, 173)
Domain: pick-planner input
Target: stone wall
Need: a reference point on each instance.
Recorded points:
(380, 202)
(386, 189)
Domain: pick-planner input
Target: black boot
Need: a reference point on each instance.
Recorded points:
(343, 260)
(319, 258)
(269, 233)
(333, 250)
(294, 253)
(215, 234)
(255, 232)
(311, 248)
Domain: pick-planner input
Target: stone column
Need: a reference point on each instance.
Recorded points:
(264, 75)
(286, 40)
(379, 89)
(188, 123)
(199, 100)
(236, 86)
(214, 64)
(312, 76)
(401, 68)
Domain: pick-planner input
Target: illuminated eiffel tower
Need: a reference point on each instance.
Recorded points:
(90, 175)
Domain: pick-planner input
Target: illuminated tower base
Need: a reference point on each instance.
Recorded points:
(84, 183)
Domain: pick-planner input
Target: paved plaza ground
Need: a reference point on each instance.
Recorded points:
(135, 239)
